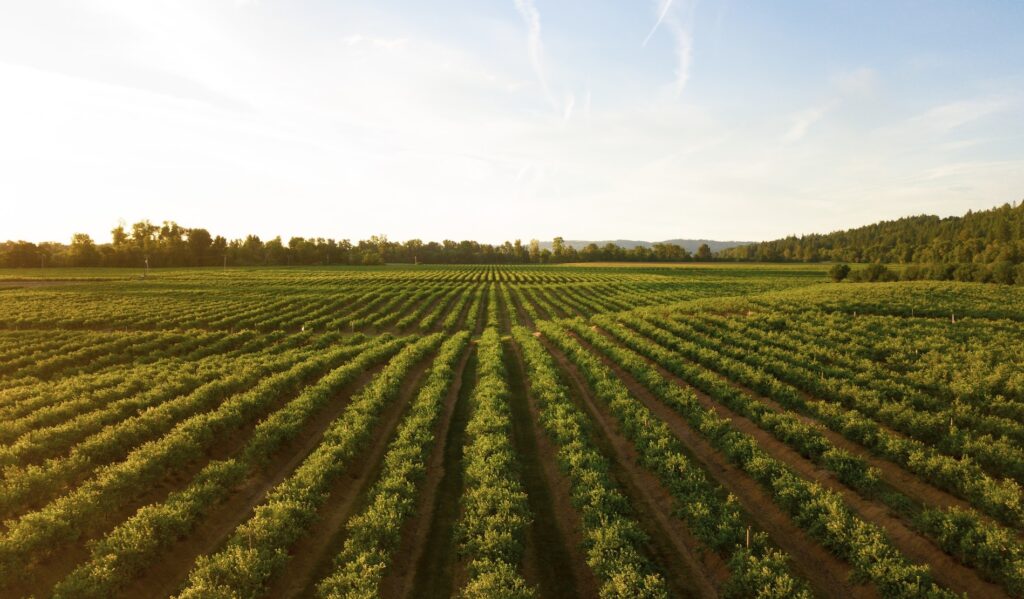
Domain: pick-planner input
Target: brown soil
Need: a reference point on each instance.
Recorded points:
(50, 571)
(434, 569)
(313, 556)
(167, 574)
(504, 314)
(690, 570)
(893, 474)
(447, 300)
(481, 312)
(463, 313)
(554, 560)
(399, 577)
(913, 545)
(552, 308)
(828, 575)
(524, 318)
(541, 310)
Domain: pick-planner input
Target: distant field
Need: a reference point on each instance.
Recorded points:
(630, 430)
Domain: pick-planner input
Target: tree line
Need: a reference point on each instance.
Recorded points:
(984, 237)
(171, 245)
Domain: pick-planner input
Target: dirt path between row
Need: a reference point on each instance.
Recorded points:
(524, 318)
(168, 574)
(47, 572)
(690, 569)
(433, 569)
(504, 315)
(312, 557)
(827, 574)
(917, 548)
(415, 536)
(893, 474)
(554, 559)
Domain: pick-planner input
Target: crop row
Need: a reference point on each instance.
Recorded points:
(373, 534)
(258, 548)
(713, 517)
(494, 514)
(822, 513)
(140, 540)
(112, 486)
(851, 470)
(847, 413)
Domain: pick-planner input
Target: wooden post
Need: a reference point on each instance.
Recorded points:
(748, 537)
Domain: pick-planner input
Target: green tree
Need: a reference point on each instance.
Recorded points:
(558, 249)
(199, 243)
(703, 253)
(838, 272)
(83, 251)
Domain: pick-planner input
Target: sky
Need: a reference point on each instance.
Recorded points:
(505, 119)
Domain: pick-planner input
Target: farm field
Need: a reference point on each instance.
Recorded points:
(509, 431)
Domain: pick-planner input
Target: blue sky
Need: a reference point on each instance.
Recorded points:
(506, 119)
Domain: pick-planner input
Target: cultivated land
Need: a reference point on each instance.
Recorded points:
(563, 431)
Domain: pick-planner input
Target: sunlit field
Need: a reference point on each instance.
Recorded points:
(553, 431)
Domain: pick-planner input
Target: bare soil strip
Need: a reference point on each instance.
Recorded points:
(554, 309)
(827, 575)
(401, 573)
(504, 316)
(553, 565)
(435, 569)
(917, 548)
(213, 530)
(48, 572)
(542, 308)
(893, 474)
(524, 318)
(690, 570)
(481, 314)
(463, 313)
(313, 556)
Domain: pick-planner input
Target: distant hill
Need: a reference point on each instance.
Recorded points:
(985, 236)
(689, 245)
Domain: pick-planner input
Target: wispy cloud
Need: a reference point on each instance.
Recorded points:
(535, 46)
(684, 54)
(803, 121)
(376, 42)
(663, 8)
(846, 87)
(570, 103)
(952, 115)
(678, 18)
(862, 81)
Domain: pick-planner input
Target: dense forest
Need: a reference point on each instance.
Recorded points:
(983, 237)
(169, 244)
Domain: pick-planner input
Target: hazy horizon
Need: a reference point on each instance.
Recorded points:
(508, 119)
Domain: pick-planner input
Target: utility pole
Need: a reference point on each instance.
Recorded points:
(225, 262)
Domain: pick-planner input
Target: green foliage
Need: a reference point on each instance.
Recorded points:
(714, 519)
(981, 237)
(374, 533)
(258, 547)
(494, 510)
(838, 272)
(613, 538)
